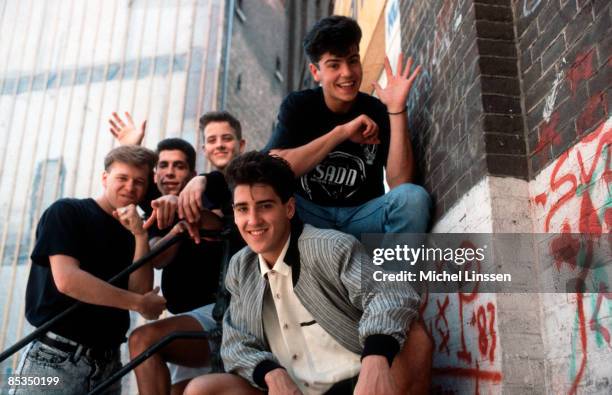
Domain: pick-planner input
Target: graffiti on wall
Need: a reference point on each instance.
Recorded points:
(581, 70)
(463, 327)
(576, 197)
(529, 6)
(448, 21)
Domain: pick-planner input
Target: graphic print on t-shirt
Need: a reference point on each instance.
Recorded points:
(338, 176)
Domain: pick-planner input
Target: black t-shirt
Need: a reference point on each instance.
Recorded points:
(81, 229)
(191, 279)
(151, 194)
(351, 174)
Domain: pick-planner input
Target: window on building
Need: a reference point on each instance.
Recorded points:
(239, 82)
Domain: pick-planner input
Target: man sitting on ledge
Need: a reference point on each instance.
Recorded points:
(338, 140)
(301, 317)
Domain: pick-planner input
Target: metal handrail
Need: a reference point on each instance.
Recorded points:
(159, 248)
(144, 356)
(216, 363)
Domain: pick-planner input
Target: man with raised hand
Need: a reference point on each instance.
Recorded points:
(303, 316)
(189, 280)
(80, 245)
(190, 271)
(338, 140)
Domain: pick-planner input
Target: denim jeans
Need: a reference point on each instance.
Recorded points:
(404, 209)
(78, 374)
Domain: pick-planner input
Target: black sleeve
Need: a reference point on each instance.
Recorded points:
(381, 117)
(217, 193)
(154, 231)
(284, 135)
(57, 233)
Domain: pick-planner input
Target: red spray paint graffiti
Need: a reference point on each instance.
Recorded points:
(578, 182)
(581, 70)
(481, 327)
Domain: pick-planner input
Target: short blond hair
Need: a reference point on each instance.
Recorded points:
(133, 155)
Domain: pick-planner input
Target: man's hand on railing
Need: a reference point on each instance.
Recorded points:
(151, 304)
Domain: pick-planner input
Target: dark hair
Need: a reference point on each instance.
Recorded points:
(256, 167)
(335, 34)
(221, 116)
(174, 143)
(133, 155)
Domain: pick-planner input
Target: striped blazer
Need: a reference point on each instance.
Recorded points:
(332, 278)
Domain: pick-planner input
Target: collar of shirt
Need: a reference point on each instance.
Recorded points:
(279, 266)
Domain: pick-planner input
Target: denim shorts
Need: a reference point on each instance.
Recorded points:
(180, 373)
(77, 374)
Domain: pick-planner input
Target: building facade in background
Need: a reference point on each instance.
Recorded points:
(65, 66)
(301, 16)
(509, 119)
(255, 83)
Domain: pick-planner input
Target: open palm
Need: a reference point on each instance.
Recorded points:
(126, 132)
(395, 94)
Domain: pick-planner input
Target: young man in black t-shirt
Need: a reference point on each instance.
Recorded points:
(338, 140)
(190, 271)
(80, 245)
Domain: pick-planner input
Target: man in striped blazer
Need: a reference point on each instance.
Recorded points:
(305, 316)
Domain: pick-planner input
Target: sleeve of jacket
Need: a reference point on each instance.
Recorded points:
(243, 352)
(388, 307)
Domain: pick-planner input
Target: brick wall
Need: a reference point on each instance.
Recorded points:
(565, 65)
(465, 108)
(565, 49)
(254, 90)
(511, 125)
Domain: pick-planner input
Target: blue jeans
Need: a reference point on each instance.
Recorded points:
(78, 374)
(404, 209)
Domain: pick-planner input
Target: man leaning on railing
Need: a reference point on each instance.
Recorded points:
(80, 245)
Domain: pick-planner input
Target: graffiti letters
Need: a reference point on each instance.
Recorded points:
(529, 6)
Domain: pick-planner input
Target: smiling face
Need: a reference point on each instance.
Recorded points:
(124, 184)
(172, 172)
(221, 144)
(263, 220)
(340, 78)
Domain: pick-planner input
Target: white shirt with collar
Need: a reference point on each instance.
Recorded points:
(314, 360)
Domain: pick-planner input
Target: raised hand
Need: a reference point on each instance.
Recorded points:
(395, 94)
(126, 132)
(362, 130)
